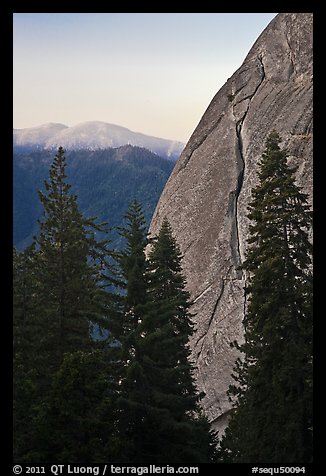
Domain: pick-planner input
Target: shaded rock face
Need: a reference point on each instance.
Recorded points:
(207, 195)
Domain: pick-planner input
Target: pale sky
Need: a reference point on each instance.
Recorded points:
(154, 73)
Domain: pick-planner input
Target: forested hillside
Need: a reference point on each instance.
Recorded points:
(106, 181)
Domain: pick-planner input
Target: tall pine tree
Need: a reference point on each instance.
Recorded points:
(59, 295)
(70, 269)
(183, 434)
(160, 419)
(133, 386)
(272, 418)
(132, 263)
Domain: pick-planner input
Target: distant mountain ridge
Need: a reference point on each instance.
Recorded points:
(91, 135)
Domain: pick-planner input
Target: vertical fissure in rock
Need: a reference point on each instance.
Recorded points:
(240, 160)
(233, 204)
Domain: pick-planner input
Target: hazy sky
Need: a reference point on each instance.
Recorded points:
(154, 73)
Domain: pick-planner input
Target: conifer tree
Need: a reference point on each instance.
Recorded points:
(183, 433)
(168, 326)
(70, 270)
(160, 420)
(133, 388)
(132, 261)
(272, 417)
(65, 295)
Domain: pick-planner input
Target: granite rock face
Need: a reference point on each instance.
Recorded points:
(207, 195)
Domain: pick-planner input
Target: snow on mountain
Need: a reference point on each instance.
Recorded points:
(36, 136)
(94, 135)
